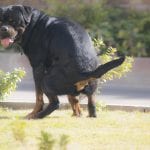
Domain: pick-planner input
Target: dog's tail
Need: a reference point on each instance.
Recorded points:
(102, 69)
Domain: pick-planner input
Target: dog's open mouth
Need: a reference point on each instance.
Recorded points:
(6, 42)
(8, 35)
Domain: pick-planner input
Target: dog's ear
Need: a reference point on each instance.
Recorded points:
(27, 12)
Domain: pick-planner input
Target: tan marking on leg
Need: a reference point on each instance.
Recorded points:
(81, 84)
(38, 106)
(75, 105)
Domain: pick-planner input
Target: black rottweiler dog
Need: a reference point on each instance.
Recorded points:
(61, 54)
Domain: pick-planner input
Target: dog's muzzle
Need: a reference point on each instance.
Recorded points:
(7, 35)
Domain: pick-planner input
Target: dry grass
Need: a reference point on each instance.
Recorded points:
(112, 130)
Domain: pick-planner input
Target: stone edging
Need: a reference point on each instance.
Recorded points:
(28, 105)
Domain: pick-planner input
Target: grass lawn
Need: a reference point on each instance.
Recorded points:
(111, 130)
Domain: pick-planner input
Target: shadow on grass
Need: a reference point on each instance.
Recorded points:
(4, 117)
(50, 117)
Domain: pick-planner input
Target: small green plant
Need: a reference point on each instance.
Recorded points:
(8, 81)
(64, 140)
(46, 141)
(109, 55)
(100, 106)
(18, 129)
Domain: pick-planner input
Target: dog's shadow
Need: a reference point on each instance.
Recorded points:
(4, 117)
(12, 117)
(24, 117)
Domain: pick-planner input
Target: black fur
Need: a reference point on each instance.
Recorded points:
(60, 52)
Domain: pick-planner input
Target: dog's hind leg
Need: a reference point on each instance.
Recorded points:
(89, 92)
(91, 106)
(75, 105)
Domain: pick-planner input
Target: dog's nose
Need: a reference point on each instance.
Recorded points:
(4, 29)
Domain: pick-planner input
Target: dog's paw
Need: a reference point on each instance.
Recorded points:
(31, 115)
(77, 115)
(92, 116)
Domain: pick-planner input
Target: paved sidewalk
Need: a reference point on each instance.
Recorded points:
(109, 99)
(115, 99)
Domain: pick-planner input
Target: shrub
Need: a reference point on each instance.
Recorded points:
(127, 30)
(64, 140)
(101, 106)
(109, 55)
(18, 129)
(47, 141)
(8, 81)
(118, 72)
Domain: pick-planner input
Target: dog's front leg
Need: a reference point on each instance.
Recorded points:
(38, 73)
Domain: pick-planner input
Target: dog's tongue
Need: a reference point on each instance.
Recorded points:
(6, 42)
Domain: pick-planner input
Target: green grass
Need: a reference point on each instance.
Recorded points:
(112, 130)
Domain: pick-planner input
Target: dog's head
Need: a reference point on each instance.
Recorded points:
(13, 21)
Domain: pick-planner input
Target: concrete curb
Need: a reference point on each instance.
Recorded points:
(30, 105)
(128, 108)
